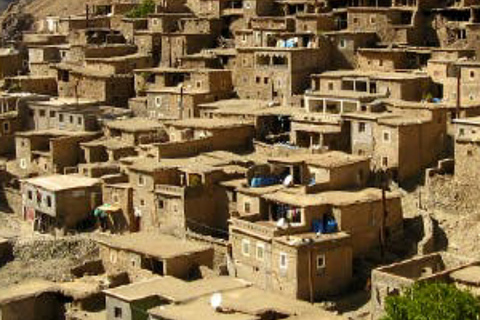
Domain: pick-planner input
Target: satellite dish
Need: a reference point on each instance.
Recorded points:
(216, 301)
(281, 223)
(288, 181)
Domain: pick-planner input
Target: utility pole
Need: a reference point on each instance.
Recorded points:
(459, 77)
(384, 185)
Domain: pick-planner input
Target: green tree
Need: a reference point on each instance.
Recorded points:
(432, 301)
(143, 10)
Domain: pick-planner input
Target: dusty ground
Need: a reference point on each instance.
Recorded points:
(40, 256)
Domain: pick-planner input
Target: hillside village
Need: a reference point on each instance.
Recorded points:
(237, 159)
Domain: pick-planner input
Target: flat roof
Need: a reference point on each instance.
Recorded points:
(60, 182)
(136, 124)
(152, 244)
(374, 74)
(24, 290)
(204, 123)
(250, 301)
(296, 198)
(470, 275)
(175, 290)
(330, 159)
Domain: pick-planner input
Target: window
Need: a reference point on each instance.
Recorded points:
(79, 121)
(161, 204)
(260, 251)
(330, 86)
(60, 118)
(158, 101)
(380, 63)
(258, 79)
(469, 153)
(23, 163)
(247, 207)
(245, 247)
(320, 262)
(6, 127)
(373, 20)
(385, 161)
(472, 74)
(355, 20)
(244, 37)
(49, 201)
(117, 311)
(141, 180)
(30, 195)
(41, 113)
(115, 197)
(386, 136)
(142, 202)
(362, 127)
(52, 114)
(265, 80)
(461, 132)
(343, 43)
(71, 119)
(283, 260)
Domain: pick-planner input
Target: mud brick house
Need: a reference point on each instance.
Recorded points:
(175, 93)
(114, 89)
(11, 63)
(43, 85)
(260, 245)
(117, 197)
(40, 58)
(176, 45)
(133, 301)
(396, 85)
(395, 278)
(466, 149)
(193, 136)
(59, 202)
(49, 151)
(392, 25)
(319, 131)
(247, 303)
(392, 139)
(135, 131)
(234, 8)
(195, 203)
(32, 300)
(9, 125)
(344, 45)
(391, 59)
(159, 253)
(276, 73)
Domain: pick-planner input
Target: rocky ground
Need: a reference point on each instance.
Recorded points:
(40, 256)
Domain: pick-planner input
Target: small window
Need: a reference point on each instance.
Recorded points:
(386, 136)
(260, 251)
(161, 204)
(343, 43)
(142, 202)
(30, 195)
(355, 20)
(385, 161)
(117, 312)
(362, 127)
(469, 153)
(330, 86)
(53, 114)
(42, 113)
(49, 201)
(320, 262)
(380, 63)
(71, 119)
(79, 121)
(472, 74)
(283, 260)
(373, 20)
(141, 180)
(60, 118)
(265, 80)
(461, 131)
(258, 79)
(6, 127)
(245, 247)
(247, 207)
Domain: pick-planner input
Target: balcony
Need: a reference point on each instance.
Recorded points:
(171, 190)
(266, 229)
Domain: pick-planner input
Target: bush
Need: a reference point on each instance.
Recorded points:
(143, 10)
(433, 301)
